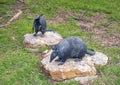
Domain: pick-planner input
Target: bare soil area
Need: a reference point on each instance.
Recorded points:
(104, 30)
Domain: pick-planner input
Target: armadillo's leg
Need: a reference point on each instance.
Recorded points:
(58, 60)
(79, 58)
(36, 31)
(39, 28)
(35, 34)
(43, 30)
(62, 61)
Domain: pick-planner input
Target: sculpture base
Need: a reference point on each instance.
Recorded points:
(35, 42)
(71, 69)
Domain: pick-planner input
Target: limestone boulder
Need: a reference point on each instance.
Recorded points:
(71, 69)
(99, 59)
(48, 39)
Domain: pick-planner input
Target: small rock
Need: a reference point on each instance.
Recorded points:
(48, 39)
(84, 80)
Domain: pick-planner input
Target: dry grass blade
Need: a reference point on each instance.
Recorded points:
(13, 18)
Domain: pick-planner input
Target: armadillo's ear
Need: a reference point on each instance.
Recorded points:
(37, 17)
(41, 14)
(53, 47)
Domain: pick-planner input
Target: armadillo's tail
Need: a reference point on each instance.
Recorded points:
(50, 30)
(90, 52)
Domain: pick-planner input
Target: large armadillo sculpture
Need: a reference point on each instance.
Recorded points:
(71, 47)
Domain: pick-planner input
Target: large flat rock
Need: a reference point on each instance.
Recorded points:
(71, 69)
(48, 39)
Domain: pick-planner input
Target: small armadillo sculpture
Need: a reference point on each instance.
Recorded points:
(71, 47)
(39, 24)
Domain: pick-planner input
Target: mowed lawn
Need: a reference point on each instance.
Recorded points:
(20, 66)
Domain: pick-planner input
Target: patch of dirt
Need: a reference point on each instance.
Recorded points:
(12, 11)
(61, 16)
(88, 21)
(18, 5)
(106, 39)
(118, 64)
(99, 25)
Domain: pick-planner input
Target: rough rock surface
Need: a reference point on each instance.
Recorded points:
(100, 59)
(71, 69)
(83, 80)
(50, 38)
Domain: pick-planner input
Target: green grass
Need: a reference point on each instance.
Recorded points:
(20, 66)
(4, 5)
(110, 7)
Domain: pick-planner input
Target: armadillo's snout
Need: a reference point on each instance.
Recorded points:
(50, 60)
(53, 56)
